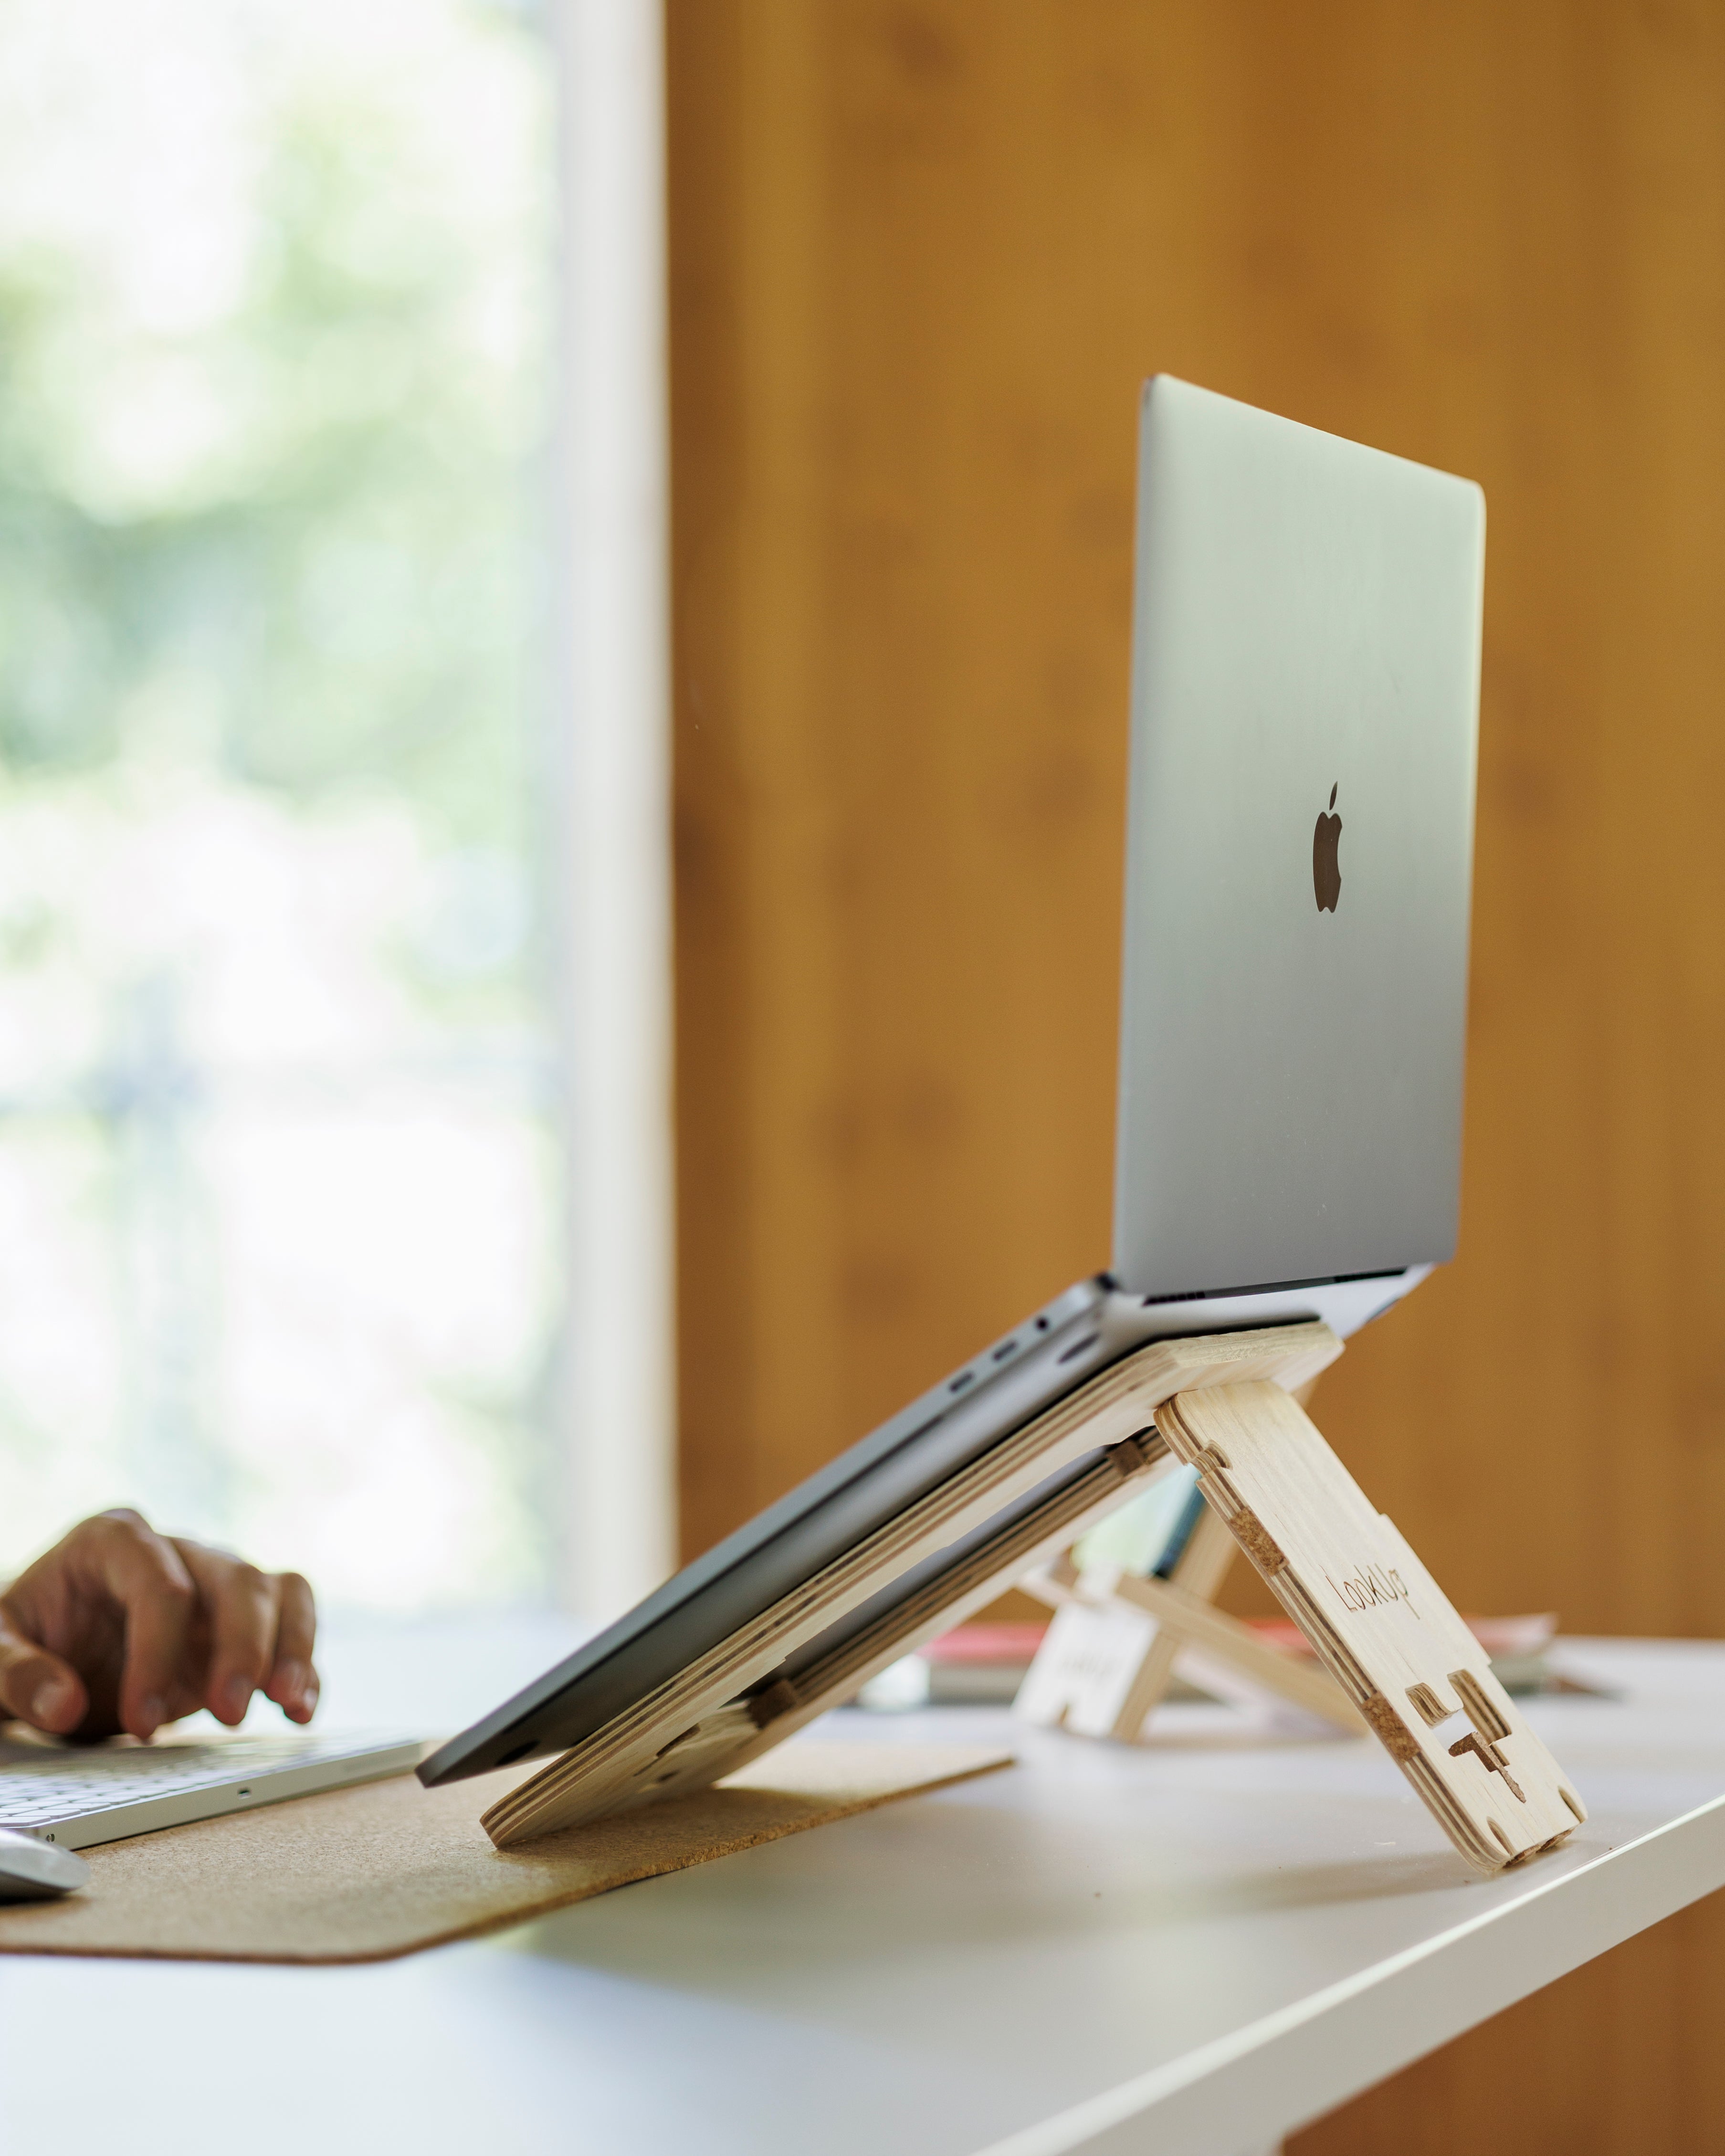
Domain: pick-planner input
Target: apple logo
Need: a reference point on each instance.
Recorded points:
(1325, 868)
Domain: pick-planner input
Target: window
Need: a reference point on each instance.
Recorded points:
(281, 1122)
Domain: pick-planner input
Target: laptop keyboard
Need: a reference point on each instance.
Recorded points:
(41, 1784)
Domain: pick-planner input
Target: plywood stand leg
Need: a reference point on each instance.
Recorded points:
(1377, 1618)
(1394, 1657)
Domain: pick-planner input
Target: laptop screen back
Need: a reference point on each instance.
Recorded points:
(1305, 705)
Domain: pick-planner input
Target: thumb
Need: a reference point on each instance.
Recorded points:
(37, 1686)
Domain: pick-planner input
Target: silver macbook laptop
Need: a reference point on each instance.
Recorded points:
(1304, 709)
(1305, 692)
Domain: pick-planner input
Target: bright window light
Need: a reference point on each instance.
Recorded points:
(282, 1142)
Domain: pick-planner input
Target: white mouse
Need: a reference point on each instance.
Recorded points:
(32, 1871)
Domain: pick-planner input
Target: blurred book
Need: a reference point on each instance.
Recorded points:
(1519, 1649)
(1149, 1535)
(982, 1664)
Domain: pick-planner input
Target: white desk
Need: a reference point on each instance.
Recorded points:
(1190, 1949)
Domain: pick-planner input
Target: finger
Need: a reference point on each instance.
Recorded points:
(119, 1554)
(37, 1686)
(242, 1607)
(294, 1683)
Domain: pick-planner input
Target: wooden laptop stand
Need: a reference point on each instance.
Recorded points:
(1377, 1620)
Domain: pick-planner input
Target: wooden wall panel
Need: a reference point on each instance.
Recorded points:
(922, 253)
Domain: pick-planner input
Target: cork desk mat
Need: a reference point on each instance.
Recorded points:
(367, 1874)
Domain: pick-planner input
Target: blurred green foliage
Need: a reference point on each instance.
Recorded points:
(328, 590)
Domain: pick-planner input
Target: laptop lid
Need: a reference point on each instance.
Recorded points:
(1304, 716)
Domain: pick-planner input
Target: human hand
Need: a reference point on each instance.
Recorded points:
(118, 1627)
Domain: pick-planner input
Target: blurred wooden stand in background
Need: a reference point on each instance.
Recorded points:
(1119, 1638)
